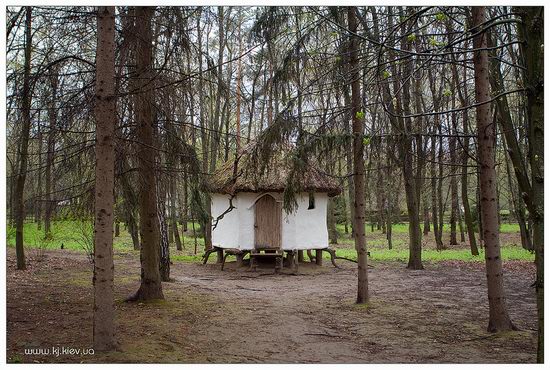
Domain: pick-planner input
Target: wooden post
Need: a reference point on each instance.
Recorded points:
(301, 256)
(278, 264)
(296, 258)
(219, 254)
(319, 257)
(239, 257)
(253, 262)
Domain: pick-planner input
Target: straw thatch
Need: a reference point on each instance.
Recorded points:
(245, 174)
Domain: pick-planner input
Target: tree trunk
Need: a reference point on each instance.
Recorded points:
(129, 201)
(499, 319)
(465, 202)
(238, 88)
(426, 208)
(460, 226)
(358, 163)
(410, 178)
(49, 186)
(173, 215)
(105, 113)
(435, 214)
(331, 222)
(441, 205)
(519, 207)
(164, 261)
(151, 286)
(531, 31)
(23, 145)
(468, 220)
(38, 202)
(454, 185)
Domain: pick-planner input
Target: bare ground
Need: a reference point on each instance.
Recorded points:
(438, 315)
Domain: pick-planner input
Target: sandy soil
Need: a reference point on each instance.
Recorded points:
(438, 315)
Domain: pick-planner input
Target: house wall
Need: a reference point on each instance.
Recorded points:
(303, 229)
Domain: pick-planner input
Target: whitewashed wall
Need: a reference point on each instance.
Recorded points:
(303, 229)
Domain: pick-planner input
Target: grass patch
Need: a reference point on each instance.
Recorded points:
(403, 228)
(508, 253)
(76, 235)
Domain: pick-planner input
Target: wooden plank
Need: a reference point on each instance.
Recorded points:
(319, 257)
(268, 220)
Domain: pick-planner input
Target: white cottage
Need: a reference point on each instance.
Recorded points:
(247, 207)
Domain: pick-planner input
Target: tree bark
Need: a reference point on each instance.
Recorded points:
(38, 202)
(435, 214)
(52, 118)
(531, 32)
(499, 319)
(454, 185)
(410, 178)
(23, 145)
(151, 286)
(358, 163)
(105, 113)
(173, 214)
(164, 261)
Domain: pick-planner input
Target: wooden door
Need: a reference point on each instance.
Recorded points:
(267, 223)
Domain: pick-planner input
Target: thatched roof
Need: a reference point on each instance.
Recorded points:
(244, 174)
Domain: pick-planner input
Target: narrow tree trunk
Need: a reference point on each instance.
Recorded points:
(23, 145)
(238, 92)
(150, 287)
(468, 218)
(410, 178)
(173, 215)
(519, 207)
(164, 261)
(331, 222)
(435, 214)
(499, 319)
(461, 226)
(465, 202)
(426, 209)
(358, 163)
(105, 113)
(134, 234)
(129, 201)
(441, 205)
(454, 185)
(49, 185)
(38, 201)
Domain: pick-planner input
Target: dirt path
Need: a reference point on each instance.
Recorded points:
(436, 315)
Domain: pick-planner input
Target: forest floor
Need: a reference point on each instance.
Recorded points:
(437, 315)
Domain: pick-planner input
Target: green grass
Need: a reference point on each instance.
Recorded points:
(75, 235)
(402, 254)
(403, 228)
